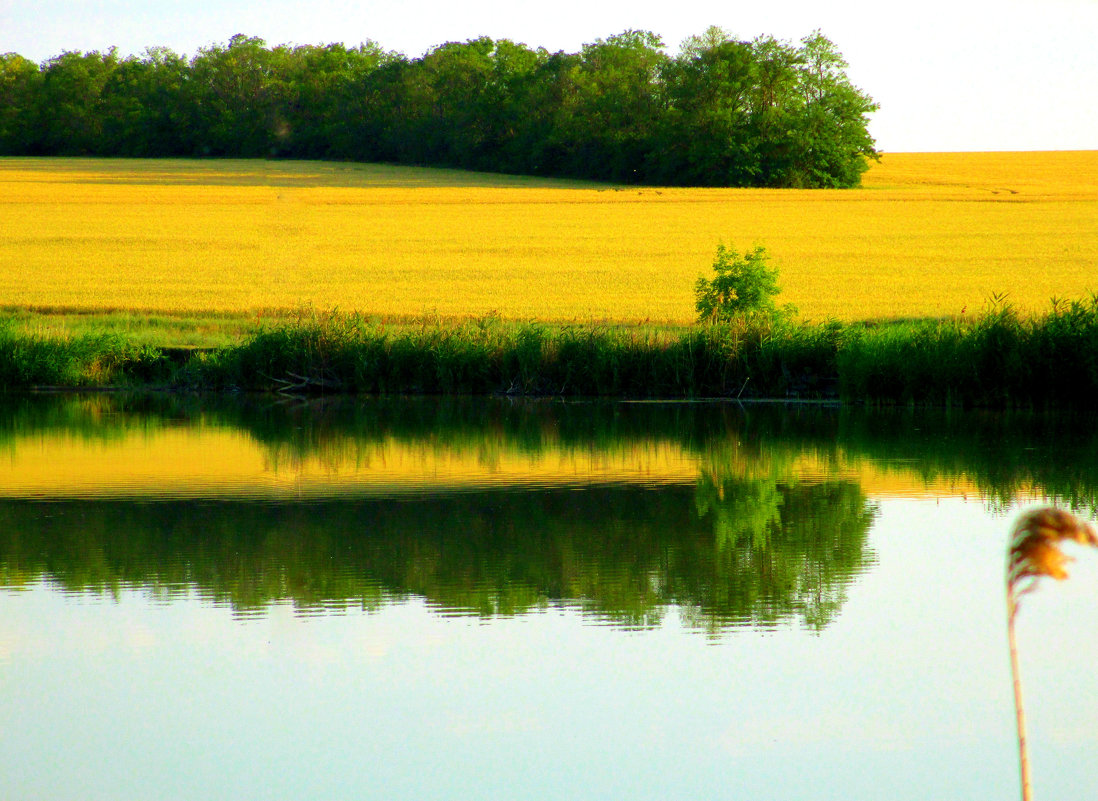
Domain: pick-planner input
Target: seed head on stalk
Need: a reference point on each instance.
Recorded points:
(1035, 552)
(1035, 549)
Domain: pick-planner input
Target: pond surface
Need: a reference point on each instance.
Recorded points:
(493, 600)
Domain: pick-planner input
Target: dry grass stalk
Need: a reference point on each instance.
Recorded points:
(1035, 552)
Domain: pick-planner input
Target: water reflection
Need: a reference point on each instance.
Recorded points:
(481, 507)
(622, 554)
(226, 599)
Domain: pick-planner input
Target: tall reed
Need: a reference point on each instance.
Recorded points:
(998, 359)
(30, 360)
(1035, 552)
(348, 354)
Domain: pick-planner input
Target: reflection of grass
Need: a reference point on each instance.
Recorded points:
(75, 419)
(1035, 552)
(748, 483)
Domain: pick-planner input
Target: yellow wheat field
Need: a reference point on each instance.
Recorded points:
(927, 235)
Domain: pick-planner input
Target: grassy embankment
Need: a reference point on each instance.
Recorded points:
(997, 359)
(107, 262)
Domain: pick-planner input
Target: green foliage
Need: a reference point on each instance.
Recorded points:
(998, 359)
(19, 79)
(720, 113)
(88, 360)
(743, 285)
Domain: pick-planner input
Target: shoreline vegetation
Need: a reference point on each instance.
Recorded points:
(999, 358)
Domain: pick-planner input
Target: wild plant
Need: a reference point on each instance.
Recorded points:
(743, 285)
(1035, 552)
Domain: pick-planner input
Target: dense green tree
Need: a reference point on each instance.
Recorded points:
(377, 114)
(831, 142)
(68, 111)
(325, 98)
(722, 112)
(509, 97)
(140, 105)
(19, 80)
(614, 111)
(453, 85)
(707, 135)
(234, 95)
(543, 140)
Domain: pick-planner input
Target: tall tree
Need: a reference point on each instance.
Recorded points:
(454, 122)
(613, 115)
(232, 99)
(140, 105)
(831, 138)
(68, 105)
(322, 103)
(707, 133)
(19, 87)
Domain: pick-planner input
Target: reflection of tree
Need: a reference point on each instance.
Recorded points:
(621, 553)
(744, 512)
(782, 549)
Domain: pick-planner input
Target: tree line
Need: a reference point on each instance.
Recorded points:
(722, 112)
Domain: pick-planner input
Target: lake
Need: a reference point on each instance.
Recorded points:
(483, 598)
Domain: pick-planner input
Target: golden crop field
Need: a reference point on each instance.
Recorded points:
(927, 235)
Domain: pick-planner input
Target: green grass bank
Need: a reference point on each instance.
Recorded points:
(997, 359)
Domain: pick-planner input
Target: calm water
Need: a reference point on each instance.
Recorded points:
(492, 600)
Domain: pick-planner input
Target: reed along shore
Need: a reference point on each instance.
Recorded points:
(997, 359)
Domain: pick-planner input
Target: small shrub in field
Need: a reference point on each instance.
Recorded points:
(743, 285)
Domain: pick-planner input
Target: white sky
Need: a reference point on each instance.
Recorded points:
(949, 75)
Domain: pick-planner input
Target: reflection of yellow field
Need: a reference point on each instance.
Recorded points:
(204, 462)
(215, 462)
(929, 234)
